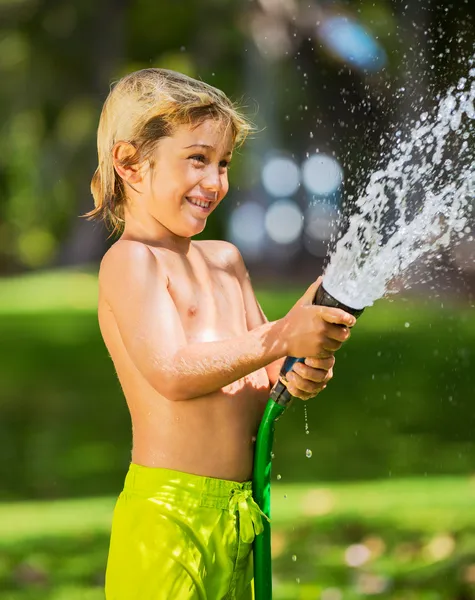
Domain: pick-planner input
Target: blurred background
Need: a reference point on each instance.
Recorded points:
(374, 484)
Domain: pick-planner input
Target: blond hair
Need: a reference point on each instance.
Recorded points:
(140, 109)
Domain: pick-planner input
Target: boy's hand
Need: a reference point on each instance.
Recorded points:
(317, 331)
(307, 380)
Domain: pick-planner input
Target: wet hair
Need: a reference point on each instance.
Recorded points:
(141, 108)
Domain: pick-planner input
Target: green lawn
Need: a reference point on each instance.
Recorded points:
(407, 539)
(61, 289)
(400, 407)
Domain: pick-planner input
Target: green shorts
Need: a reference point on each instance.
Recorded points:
(177, 536)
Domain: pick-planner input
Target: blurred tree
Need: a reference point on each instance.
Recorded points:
(58, 58)
(57, 61)
(106, 35)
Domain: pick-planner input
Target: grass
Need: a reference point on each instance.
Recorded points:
(407, 539)
(49, 291)
(449, 501)
(400, 404)
(75, 290)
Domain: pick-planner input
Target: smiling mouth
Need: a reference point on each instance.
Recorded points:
(200, 203)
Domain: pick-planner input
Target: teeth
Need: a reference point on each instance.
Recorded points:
(199, 203)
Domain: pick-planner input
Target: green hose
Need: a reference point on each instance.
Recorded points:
(279, 400)
(261, 492)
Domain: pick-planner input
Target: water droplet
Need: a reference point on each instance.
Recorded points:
(279, 477)
(407, 324)
(378, 248)
(294, 557)
(308, 453)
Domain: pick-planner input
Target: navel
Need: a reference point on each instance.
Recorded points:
(192, 310)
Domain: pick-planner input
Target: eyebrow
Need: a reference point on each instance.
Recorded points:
(205, 146)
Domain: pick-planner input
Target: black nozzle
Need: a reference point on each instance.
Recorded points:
(280, 393)
(323, 298)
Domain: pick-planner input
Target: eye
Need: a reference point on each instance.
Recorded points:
(225, 164)
(200, 158)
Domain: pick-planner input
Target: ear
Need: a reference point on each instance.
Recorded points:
(122, 152)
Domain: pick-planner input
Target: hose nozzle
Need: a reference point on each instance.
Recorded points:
(279, 392)
(323, 298)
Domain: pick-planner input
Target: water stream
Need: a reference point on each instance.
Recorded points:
(416, 203)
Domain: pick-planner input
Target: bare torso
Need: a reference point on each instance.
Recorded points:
(211, 435)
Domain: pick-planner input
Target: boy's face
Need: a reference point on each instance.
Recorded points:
(189, 177)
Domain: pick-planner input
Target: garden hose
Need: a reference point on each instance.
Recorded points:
(279, 400)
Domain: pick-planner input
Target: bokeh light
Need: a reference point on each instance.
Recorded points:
(280, 176)
(320, 224)
(320, 221)
(356, 555)
(284, 221)
(352, 43)
(322, 174)
(246, 228)
(332, 594)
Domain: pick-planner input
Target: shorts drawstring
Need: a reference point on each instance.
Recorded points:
(250, 515)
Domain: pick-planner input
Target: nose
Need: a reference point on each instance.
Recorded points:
(212, 181)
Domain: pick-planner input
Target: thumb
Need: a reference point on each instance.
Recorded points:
(309, 295)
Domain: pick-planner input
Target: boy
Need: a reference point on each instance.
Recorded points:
(193, 351)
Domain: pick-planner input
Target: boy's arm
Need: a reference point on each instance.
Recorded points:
(255, 316)
(135, 288)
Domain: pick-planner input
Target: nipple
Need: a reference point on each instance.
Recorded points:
(192, 310)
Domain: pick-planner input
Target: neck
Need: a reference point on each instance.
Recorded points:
(155, 234)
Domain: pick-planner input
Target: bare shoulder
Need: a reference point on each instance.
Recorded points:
(221, 253)
(126, 262)
(124, 254)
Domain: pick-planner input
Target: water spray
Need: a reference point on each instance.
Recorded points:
(415, 205)
(279, 400)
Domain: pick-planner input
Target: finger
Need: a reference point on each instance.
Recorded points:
(331, 345)
(328, 375)
(337, 332)
(317, 375)
(320, 363)
(302, 384)
(309, 295)
(304, 395)
(337, 316)
(324, 354)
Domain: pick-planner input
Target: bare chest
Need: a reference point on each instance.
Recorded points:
(208, 298)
